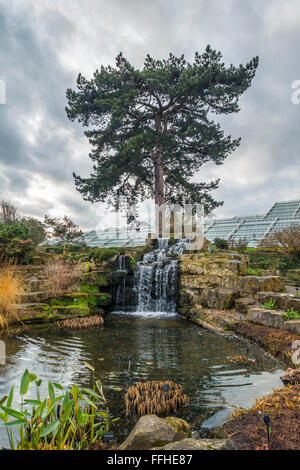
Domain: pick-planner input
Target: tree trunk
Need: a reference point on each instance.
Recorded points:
(159, 182)
(159, 194)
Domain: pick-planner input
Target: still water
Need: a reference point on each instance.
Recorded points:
(162, 348)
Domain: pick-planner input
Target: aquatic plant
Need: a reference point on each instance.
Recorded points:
(80, 323)
(155, 397)
(74, 420)
(10, 293)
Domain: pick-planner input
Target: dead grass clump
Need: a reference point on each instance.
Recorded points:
(10, 294)
(277, 342)
(80, 323)
(247, 428)
(61, 276)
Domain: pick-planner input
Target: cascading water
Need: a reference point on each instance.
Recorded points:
(120, 295)
(153, 291)
(156, 279)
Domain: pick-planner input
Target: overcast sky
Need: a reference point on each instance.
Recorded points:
(44, 44)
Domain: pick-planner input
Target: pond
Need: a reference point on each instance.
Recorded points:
(163, 347)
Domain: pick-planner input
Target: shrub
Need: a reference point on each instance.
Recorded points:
(239, 244)
(221, 243)
(61, 276)
(10, 294)
(288, 238)
(15, 244)
(36, 229)
(272, 260)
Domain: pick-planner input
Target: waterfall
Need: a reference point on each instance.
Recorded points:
(121, 290)
(154, 287)
(156, 279)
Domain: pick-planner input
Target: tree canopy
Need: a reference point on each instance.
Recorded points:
(151, 130)
(64, 229)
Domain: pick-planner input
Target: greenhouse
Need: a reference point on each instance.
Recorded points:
(251, 229)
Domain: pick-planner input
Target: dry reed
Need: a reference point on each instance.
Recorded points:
(80, 323)
(10, 294)
(150, 398)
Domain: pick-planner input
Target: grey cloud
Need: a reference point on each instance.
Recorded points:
(45, 44)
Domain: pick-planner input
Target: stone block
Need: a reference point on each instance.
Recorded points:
(243, 304)
(188, 297)
(221, 298)
(283, 301)
(293, 326)
(271, 318)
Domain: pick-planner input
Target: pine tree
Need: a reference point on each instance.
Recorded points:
(151, 129)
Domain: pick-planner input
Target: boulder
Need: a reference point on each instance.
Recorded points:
(262, 316)
(151, 431)
(199, 444)
(291, 377)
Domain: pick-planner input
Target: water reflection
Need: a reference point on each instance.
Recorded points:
(164, 348)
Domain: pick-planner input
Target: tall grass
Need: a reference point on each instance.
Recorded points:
(10, 294)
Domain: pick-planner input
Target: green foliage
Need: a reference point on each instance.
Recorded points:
(254, 271)
(291, 315)
(62, 248)
(132, 263)
(271, 304)
(14, 243)
(72, 420)
(36, 229)
(157, 118)
(64, 229)
(221, 243)
(270, 259)
(89, 289)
